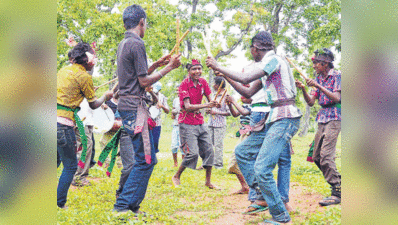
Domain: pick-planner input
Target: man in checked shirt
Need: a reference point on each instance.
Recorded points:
(328, 93)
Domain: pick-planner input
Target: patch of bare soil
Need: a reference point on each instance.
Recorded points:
(301, 200)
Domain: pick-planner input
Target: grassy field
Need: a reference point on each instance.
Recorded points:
(192, 203)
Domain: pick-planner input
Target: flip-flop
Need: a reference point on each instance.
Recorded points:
(258, 208)
(330, 201)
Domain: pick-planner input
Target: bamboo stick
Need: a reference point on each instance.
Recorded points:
(223, 95)
(114, 87)
(106, 83)
(302, 75)
(219, 89)
(178, 42)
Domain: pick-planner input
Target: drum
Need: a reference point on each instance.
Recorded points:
(103, 120)
(154, 112)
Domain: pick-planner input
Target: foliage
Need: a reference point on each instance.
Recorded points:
(94, 21)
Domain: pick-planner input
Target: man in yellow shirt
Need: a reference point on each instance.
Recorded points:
(73, 85)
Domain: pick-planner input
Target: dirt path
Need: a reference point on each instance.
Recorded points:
(300, 200)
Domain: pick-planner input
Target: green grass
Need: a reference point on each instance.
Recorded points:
(190, 204)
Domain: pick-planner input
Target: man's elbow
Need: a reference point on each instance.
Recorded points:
(245, 80)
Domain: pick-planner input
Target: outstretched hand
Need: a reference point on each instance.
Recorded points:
(175, 61)
(212, 104)
(229, 99)
(212, 63)
(299, 84)
(163, 61)
(311, 83)
(218, 73)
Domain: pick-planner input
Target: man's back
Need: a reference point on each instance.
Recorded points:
(131, 63)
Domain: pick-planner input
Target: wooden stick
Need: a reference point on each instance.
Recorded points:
(178, 42)
(302, 75)
(219, 89)
(106, 83)
(114, 87)
(223, 95)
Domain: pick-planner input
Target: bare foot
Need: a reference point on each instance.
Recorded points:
(200, 168)
(175, 164)
(241, 191)
(176, 181)
(288, 207)
(212, 186)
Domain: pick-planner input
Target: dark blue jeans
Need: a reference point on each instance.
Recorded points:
(156, 136)
(66, 153)
(134, 189)
(257, 157)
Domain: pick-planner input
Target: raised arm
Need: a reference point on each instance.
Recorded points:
(310, 99)
(234, 112)
(240, 77)
(98, 102)
(148, 80)
(246, 92)
(161, 62)
(334, 96)
(241, 110)
(193, 107)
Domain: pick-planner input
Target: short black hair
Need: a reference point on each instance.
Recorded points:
(78, 53)
(132, 16)
(265, 41)
(218, 80)
(70, 55)
(326, 52)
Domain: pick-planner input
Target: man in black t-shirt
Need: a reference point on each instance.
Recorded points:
(134, 76)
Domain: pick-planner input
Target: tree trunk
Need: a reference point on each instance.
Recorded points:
(189, 44)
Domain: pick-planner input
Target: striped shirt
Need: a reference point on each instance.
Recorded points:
(279, 86)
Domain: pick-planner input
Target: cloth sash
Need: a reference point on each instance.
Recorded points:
(80, 127)
(259, 104)
(144, 122)
(310, 152)
(111, 146)
(284, 102)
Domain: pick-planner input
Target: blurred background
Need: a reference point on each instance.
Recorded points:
(27, 112)
(369, 61)
(370, 114)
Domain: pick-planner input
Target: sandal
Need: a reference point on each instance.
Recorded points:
(332, 200)
(257, 208)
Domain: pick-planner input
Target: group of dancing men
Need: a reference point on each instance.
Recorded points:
(268, 91)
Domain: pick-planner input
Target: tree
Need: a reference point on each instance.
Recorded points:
(94, 21)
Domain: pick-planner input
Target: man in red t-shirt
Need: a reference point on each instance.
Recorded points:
(195, 139)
